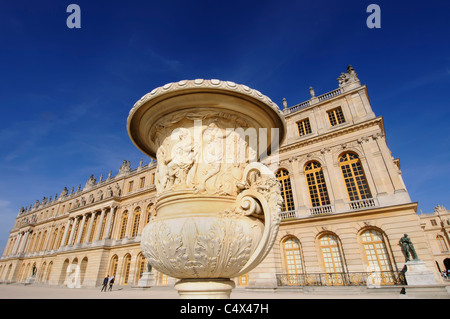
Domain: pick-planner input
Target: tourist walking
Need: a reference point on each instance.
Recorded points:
(111, 283)
(105, 283)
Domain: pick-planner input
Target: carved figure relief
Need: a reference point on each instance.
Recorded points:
(206, 154)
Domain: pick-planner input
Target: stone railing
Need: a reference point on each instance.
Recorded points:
(325, 209)
(290, 214)
(312, 101)
(297, 107)
(329, 95)
(363, 204)
(377, 278)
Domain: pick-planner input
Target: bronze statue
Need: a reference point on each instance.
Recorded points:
(408, 248)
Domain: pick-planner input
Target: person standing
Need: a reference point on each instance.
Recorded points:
(105, 283)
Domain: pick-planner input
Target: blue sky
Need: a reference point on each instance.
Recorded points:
(65, 93)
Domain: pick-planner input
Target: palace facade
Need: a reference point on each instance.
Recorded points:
(345, 210)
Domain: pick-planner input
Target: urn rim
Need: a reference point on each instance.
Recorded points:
(137, 124)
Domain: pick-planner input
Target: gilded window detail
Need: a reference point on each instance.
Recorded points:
(354, 177)
(286, 189)
(317, 188)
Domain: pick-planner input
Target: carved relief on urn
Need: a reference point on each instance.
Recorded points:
(217, 208)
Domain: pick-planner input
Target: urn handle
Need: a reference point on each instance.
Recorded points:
(260, 196)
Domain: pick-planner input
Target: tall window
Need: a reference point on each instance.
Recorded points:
(441, 242)
(67, 237)
(113, 266)
(286, 190)
(142, 266)
(315, 179)
(126, 269)
(84, 230)
(44, 237)
(293, 260)
(304, 127)
(292, 255)
(55, 235)
(130, 186)
(142, 182)
(102, 226)
(94, 228)
(61, 234)
(137, 215)
(354, 177)
(123, 226)
(377, 256)
(336, 116)
(332, 259)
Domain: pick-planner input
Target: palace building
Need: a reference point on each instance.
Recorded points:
(345, 210)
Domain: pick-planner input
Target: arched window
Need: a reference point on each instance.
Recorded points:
(315, 179)
(377, 256)
(137, 216)
(286, 190)
(55, 235)
(441, 242)
(36, 244)
(60, 237)
(84, 230)
(113, 266)
(332, 259)
(42, 245)
(67, 237)
(292, 256)
(49, 270)
(93, 227)
(293, 260)
(354, 178)
(141, 266)
(123, 226)
(126, 269)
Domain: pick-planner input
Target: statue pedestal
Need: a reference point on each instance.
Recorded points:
(417, 274)
(209, 288)
(147, 280)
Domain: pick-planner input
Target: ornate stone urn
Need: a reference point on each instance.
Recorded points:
(217, 208)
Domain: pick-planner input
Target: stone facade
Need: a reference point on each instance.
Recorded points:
(346, 208)
(436, 226)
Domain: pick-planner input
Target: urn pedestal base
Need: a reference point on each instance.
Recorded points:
(208, 288)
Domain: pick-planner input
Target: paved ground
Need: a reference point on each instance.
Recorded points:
(19, 291)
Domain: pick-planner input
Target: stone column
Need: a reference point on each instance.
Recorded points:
(80, 230)
(110, 222)
(100, 222)
(66, 231)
